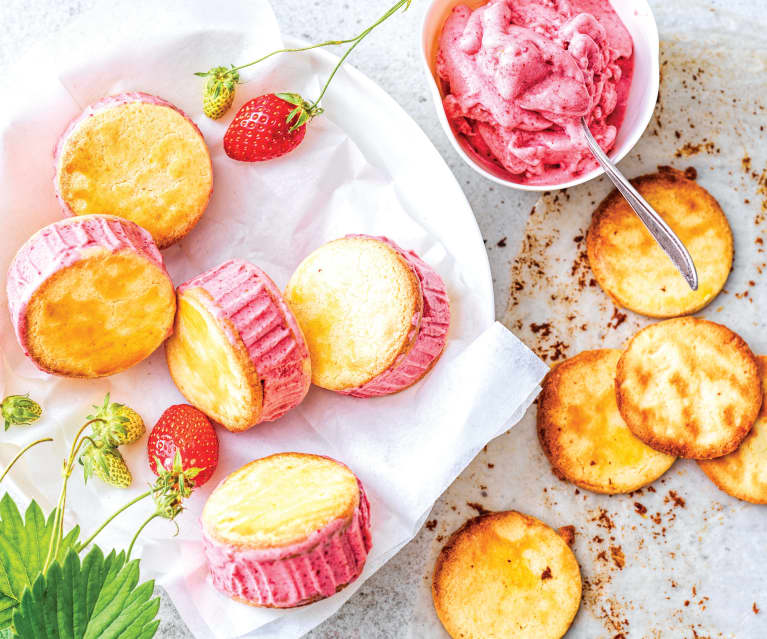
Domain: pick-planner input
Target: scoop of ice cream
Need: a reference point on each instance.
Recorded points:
(519, 75)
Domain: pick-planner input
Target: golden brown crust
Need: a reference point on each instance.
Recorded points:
(355, 299)
(141, 161)
(743, 473)
(101, 315)
(506, 574)
(689, 387)
(583, 434)
(633, 270)
(339, 505)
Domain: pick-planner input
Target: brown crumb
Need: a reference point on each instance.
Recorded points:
(546, 574)
(568, 534)
(619, 559)
(691, 173)
(755, 608)
(640, 508)
(502, 242)
(478, 507)
(431, 525)
(672, 496)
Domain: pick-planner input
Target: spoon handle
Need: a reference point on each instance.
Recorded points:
(664, 236)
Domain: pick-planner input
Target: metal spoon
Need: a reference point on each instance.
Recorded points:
(664, 236)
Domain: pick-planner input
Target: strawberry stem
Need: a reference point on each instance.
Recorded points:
(154, 515)
(21, 452)
(357, 40)
(90, 539)
(58, 521)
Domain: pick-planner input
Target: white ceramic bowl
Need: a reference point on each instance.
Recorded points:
(639, 20)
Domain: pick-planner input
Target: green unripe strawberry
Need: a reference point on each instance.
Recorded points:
(218, 92)
(20, 410)
(107, 464)
(121, 424)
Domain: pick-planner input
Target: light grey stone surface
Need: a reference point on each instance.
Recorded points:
(385, 604)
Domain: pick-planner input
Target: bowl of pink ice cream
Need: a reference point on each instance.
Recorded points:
(511, 80)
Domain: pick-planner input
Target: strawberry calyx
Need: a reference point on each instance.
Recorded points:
(303, 112)
(173, 486)
(220, 79)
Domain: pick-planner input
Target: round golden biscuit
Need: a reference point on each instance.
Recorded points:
(631, 267)
(689, 387)
(584, 435)
(504, 575)
(138, 157)
(359, 304)
(743, 474)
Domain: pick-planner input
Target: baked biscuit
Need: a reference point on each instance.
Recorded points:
(688, 387)
(631, 267)
(743, 474)
(136, 156)
(89, 296)
(237, 352)
(286, 530)
(506, 575)
(584, 435)
(360, 305)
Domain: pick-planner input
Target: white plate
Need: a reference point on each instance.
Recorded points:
(364, 166)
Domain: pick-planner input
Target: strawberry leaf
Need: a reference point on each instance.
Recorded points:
(23, 550)
(98, 598)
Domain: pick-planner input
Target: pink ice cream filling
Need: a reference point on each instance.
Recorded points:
(519, 74)
(430, 341)
(104, 104)
(62, 244)
(289, 576)
(247, 299)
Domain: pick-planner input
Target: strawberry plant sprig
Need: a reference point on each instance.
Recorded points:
(220, 86)
(40, 566)
(273, 124)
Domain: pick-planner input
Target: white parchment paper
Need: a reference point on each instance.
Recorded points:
(406, 448)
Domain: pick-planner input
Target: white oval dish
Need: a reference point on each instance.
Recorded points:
(639, 20)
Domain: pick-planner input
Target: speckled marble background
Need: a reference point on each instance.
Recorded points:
(384, 606)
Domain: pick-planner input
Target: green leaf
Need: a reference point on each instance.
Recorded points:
(23, 549)
(99, 598)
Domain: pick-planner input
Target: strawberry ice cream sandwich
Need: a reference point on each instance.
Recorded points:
(238, 353)
(375, 317)
(89, 296)
(139, 157)
(286, 530)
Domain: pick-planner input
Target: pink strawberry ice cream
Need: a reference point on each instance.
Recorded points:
(519, 74)
(247, 301)
(295, 575)
(411, 366)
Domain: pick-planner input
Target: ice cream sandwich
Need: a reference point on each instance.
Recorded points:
(286, 530)
(375, 317)
(89, 296)
(237, 353)
(139, 157)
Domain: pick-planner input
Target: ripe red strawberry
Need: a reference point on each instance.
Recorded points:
(268, 126)
(185, 429)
